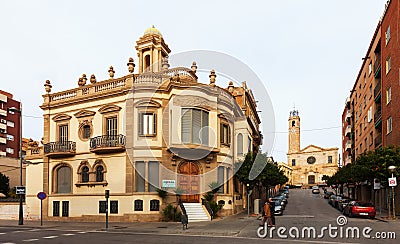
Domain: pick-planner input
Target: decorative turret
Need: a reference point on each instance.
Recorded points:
(294, 132)
(213, 77)
(194, 67)
(93, 79)
(164, 63)
(47, 86)
(111, 72)
(131, 65)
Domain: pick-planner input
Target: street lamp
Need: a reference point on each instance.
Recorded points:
(392, 169)
(21, 210)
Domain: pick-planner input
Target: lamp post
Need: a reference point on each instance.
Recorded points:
(21, 210)
(392, 169)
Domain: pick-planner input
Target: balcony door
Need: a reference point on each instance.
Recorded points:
(189, 181)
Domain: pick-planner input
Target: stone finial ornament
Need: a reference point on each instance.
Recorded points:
(131, 65)
(93, 79)
(81, 82)
(164, 63)
(213, 77)
(175, 78)
(47, 86)
(111, 72)
(194, 67)
(84, 79)
(230, 87)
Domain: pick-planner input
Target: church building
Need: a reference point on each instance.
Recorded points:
(310, 163)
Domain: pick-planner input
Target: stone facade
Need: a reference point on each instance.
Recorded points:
(130, 135)
(311, 163)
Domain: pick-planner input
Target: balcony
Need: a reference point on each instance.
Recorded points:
(377, 64)
(3, 140)
(3, 112)
(378, 140)
(348, 145)
(377, 90)
(3, 127)
(60, 149)
(108, 144)
(377, 116)
(348, 115)
(348, 131)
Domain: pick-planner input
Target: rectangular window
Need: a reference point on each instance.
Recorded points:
(194, 127)
(140, 175)
(228, 176)
(366, 143)
(249, 144)
(371, 138)
(240, 145)
(221, 179)
(387, 35)
(225, 134)
(360, 110)
(10, 150)
(293, 162)
(361, 148)
(138, 205)
(102, 206)
(65, 208)
(153, 176)
(388, 95)
(388, 64)
(63, 133)
(56, 208)
(147, 124)
(154, 205)
(10, 124)
(111, 126)
(370, 114)
(113, 207)
(389, 125)
(365, 101)
(370, 91)
(10, 138)
(329, 159)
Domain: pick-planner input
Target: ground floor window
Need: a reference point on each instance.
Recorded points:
(65, 208)
(102, 207)
(138, 205)
(114, 207)
(56, 208)
(154, 205)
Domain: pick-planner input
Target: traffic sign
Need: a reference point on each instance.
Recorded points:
(20, 190)
(41, 195)
(392, 181)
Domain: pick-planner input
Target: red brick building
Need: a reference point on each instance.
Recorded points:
(9, 126)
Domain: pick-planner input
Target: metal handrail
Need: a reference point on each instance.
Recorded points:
(208, 207)
(60, 146)
(107, 141)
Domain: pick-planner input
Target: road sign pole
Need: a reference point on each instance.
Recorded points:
(41, 212)
(107, 195)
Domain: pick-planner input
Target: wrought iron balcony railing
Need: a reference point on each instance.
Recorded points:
(107, 142)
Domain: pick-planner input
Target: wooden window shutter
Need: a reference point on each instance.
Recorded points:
(154, 124)
(140, 124)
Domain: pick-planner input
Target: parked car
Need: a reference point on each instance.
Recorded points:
(315, 190)
(336, 201)
(327, 194)
(282, 197)
(343, 203)
(279, 206)
(360, 208)
(332, 199)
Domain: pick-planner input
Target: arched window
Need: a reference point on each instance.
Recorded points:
(146, 62)
(85, 174)
(63, 175)
(99, 173)
(240, 144)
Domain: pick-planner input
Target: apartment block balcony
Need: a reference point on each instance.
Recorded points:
(348, 131)
(377, 116)
(377, 64)
(60, 149)
(378, 140)
(377, 89)
(348, 114)
(348, 145)
(3, 127)
(3, 112)
(108, 144)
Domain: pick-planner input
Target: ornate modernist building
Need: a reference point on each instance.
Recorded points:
(310, 163)
(157, 129)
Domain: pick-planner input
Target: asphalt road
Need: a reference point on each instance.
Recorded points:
(305, 210)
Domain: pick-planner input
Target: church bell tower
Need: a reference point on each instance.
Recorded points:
(294, 132)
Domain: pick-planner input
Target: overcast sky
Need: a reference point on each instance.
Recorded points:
(306, 52)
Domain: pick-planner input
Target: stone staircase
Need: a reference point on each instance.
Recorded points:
(196, 212)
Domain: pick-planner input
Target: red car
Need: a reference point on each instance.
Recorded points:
(359, 208)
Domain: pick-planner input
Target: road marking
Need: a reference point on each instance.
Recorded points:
(50, 237)
(8, 243)
(34, 230)
(297, 216)
(2, 233)
(18, 231)
(82, 232)
(68, 234)
(30, 240)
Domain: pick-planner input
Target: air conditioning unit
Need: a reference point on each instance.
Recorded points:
(3, 121)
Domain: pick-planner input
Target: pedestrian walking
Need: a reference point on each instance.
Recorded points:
(266, 215)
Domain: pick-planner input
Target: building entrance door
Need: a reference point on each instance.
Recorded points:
(189, 181)
(311, 179)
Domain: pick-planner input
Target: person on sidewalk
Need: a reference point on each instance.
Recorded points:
(266, 214)
(272, 210)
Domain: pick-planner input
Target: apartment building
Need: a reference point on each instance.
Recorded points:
(9, 126)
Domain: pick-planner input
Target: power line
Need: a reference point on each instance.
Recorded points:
(31, 116)
(316, 129)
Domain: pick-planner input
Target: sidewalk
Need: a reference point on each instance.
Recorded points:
(227, 226)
